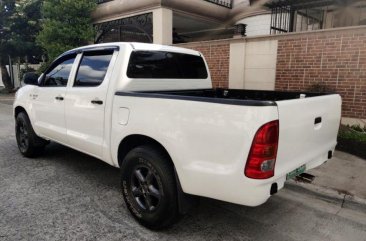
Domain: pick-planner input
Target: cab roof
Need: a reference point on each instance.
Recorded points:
(135, 46)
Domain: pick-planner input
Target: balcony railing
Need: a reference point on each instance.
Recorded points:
(223, 3)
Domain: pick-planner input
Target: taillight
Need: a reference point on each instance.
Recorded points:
(262, 156)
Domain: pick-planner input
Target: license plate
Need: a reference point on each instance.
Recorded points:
(295, 172)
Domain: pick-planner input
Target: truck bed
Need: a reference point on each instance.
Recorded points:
(238, 94)
(226, 96)
(210, 132)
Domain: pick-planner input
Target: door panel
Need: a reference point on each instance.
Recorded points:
(85, 103)
(48, 100)
(49, 113)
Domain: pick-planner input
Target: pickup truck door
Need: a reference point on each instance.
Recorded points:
(86, 100)
(48, 100)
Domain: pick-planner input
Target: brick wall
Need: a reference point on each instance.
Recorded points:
(334, 59)
(217, 56)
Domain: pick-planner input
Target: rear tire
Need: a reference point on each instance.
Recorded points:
(29, 144)
(149, 187)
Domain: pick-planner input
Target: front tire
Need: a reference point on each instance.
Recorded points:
(29, 144)
(149, 187)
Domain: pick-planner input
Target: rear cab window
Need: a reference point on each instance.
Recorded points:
(166, 65)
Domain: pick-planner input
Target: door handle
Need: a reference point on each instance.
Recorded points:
(33, 96)
(97, 102)
(317, 120)
(60, 98)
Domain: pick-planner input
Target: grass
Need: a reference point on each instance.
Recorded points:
(353, 133)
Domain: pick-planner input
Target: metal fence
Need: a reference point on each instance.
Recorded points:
(223, 3)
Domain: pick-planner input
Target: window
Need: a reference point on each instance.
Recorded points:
(58, 76)
(166, 65)
(93, 68)
(192, 67)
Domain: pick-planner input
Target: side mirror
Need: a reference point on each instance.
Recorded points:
(30, 78)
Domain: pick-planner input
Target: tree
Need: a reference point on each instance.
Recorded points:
(25, 28)
(66, 24)
(20, 24)
(7, 8)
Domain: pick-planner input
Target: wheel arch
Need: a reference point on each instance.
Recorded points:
(135, 140)
(19, 109)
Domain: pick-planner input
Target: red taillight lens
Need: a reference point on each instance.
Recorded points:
(262, 156)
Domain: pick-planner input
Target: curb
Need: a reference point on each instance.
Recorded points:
(348, 200)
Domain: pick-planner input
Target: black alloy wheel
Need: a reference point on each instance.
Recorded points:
(29, 144)
(22, 136)
(145, 188)
(149, 187)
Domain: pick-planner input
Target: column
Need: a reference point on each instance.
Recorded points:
(163, 26)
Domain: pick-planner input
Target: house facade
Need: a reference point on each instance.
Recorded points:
(176, 21)
(313, 45)
(166, 21)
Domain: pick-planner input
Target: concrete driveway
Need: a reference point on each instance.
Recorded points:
(66, 195)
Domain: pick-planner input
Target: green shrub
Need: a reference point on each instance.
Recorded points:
(354, 132)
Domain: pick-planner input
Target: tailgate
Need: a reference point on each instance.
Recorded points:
(308, 130)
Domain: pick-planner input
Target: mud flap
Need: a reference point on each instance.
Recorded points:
(185, 201)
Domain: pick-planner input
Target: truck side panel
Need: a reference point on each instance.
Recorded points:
(207, 142)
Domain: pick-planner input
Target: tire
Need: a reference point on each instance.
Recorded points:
(29, 144)
(149, 187)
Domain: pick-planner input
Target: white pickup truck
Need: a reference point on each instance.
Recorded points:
(151, 111)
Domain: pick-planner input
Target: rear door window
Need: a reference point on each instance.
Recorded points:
(166, 65)
(93, 68)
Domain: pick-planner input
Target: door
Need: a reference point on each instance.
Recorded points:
(85, 102)
(48, 100)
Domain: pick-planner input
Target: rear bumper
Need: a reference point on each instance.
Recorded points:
(236, 188)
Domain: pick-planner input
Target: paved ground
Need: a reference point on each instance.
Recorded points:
(345, 174)
(66, 195)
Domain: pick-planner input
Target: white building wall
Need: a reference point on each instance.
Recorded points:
(237, 65)
(17, 80)
(253, 65)
(257, 25)
(260, 65)
(1, 81)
